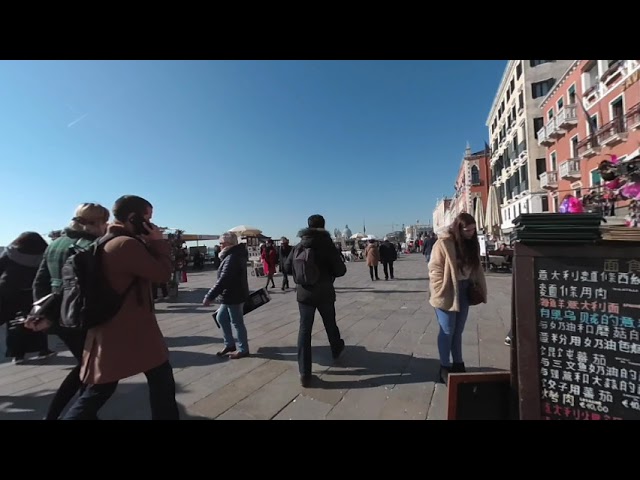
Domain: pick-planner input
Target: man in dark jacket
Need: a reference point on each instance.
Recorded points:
(233, 288)
(283, 254)
(388, 255)
(321, 295)
(428, 246)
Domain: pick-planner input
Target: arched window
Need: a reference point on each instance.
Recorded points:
(475, 175)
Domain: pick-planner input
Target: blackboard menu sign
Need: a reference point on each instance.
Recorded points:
(587, 329)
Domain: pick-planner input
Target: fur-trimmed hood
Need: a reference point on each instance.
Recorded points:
(24, 259)
(314, 237)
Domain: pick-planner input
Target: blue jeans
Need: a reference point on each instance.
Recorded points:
(232, 314)
(452, 326)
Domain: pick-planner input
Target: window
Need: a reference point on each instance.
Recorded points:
(577, 189)
(535, 63)
(554, 161)
(550, 115)
(572, 95)
(555, 203)
(560, 103)
(524, 178)
(519, 70)
(541, 166)
(574, 147)
(596, 179)
(512, 86)
(521, 100)
(540, 89)
(592, 125)
(617, 109)
(545, 203)
(538, 123)
(475, 175)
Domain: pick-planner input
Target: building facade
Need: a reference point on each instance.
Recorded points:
(517, 159)
(591, 114)
(472, 183)
(441, 214)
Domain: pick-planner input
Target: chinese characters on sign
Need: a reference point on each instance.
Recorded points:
(588, 326)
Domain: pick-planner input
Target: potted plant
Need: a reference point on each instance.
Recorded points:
(176, 242)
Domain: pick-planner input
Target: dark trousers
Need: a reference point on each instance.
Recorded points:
(388, 269)
(162, 395)
(74, 340)
(307, 313)
(163, 287)
(285, 279)
(373, 270)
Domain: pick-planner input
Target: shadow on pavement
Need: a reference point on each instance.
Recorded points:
(376, 368)
(191, 341)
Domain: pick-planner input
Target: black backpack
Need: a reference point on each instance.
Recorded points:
(305, 270)
(86, 298)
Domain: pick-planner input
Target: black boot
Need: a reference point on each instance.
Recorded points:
(444, 375)
(458, 367)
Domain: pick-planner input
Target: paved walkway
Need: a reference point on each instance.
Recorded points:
(387, 370)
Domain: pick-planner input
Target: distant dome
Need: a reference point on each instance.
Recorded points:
(346, 233)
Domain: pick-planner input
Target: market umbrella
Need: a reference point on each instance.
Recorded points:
(246, 231)
(493, 219)
(479, 214)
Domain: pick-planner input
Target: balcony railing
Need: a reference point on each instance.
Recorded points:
(549, 180)
(567, 117)
(613, 132)
(588, 147)
(543, 139)
(633, 117)
(613, 72)
(551, 127)
(570, 169)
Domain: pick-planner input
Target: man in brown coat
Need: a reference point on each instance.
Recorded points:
(131, 342)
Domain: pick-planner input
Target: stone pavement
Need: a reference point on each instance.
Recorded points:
(387, 370)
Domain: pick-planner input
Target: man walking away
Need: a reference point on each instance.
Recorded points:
(428, 246)
(315, 263)
(131, 342)
(283, 254)
(388, 255)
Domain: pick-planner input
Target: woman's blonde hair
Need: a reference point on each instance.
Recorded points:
(89, 217)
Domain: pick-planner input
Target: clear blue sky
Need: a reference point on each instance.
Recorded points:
(214, 144)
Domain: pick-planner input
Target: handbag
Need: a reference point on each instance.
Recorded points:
(476, 297)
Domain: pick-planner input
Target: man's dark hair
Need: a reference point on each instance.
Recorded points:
(316, 221)
(128, 204)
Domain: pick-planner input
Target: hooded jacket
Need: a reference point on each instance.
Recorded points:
(329, 262)
(17, 271)
(232, 284)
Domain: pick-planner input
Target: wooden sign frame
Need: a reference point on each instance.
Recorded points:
(526, 337)
(457, 379)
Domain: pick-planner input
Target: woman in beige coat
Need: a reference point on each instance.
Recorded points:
(372, 255)
(453, 268)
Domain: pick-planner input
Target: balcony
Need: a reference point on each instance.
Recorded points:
(570, 169)
(549, 180)
(567, 118)
(613, 133)
(551, 128)
(612, 73)
(633, 117)
(543, 140)
(588, 147)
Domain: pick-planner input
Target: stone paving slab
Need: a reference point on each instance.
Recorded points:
(387, 371)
